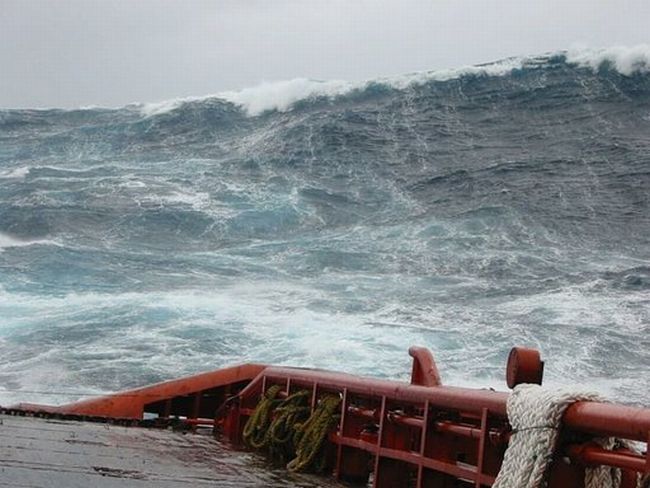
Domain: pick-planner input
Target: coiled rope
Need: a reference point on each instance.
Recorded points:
(310, 436)
(258, 424)
(287, 417)
(286, 430)
(535, 415)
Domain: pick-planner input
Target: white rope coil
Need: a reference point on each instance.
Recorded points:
(535, 415)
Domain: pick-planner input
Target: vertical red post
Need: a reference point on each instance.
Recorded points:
(196, 406)
(481, 447)
(390, 473)
(231, 425)
(352, 463)
(423, 441)
(168, 408)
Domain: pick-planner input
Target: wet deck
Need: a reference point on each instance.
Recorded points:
(44, 453)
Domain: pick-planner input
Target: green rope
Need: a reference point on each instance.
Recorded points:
(285, 429)
(287, 416)
(309, 437)
(258, 424)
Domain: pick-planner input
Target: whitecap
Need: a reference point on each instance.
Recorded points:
(7, 242)
(282, 95)
(16, 173)
(626, 60)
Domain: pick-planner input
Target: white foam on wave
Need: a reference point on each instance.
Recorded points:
(626, 60)
(60, 172)
(7, 242)
(16, 173)
(252, 322)
(162, 197)
(157, 108)
(282, 95)
(196, 200)
(498, 68)
(179, 332)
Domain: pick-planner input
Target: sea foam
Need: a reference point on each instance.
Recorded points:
(466, 218)
(626, 60)
(282, 95)
(17, 173)
(7, 242)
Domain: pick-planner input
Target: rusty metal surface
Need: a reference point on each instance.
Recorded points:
(46, 453)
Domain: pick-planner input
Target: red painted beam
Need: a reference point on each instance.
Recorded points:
(609, 420)
(594, 455)
(130, 403)
(461, 399)
(601, 419)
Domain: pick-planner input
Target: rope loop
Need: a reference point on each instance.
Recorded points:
(535, 415)
(258, 424)
(287, 431)
(310, 437)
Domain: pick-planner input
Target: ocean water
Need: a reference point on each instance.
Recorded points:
(333, 225)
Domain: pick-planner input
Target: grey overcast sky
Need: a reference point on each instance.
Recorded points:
(71, 53)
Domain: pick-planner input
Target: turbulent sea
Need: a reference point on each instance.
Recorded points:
(332, 225)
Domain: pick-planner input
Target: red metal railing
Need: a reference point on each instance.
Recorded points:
(420, 434)
(434, 436)
(191, 397)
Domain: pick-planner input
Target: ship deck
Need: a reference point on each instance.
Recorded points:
(44, 453)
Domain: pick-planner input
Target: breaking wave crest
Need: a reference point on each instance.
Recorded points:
(331, 224)
(283, 95)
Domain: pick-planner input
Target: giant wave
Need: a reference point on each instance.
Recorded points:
(332, 224)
